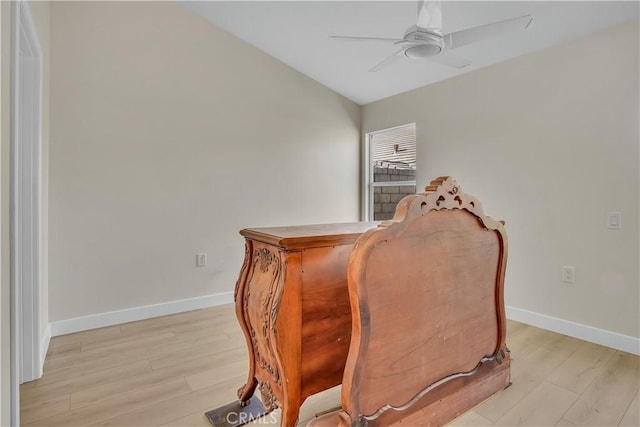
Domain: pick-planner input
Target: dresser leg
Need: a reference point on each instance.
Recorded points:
(246, 391)
(240, 297)
(290, 413)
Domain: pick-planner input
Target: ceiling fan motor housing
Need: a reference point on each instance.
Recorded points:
(422, 43)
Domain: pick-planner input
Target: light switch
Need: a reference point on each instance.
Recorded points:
(614, 220)
(201, 260)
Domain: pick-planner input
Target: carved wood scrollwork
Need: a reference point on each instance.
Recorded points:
(241, 390)
(266, 258)
(269, 400)
(444, 193)
(242, 271)
(268, 263)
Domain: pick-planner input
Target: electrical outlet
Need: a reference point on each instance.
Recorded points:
(614, 220)
(201, 260)
(568, 274)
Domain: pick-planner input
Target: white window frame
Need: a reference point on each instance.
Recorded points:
(369, 185)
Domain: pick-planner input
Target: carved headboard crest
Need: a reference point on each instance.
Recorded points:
(441, 193)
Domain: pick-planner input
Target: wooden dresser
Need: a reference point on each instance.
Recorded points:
(292, 303)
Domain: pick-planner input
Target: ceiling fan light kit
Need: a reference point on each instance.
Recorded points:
(423, 51)
(425, 40)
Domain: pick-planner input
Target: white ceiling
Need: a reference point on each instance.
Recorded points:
(297, 33)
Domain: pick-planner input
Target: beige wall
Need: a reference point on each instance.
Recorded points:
(549, 142)
(40, 12)
(167, 137)
(5, 331)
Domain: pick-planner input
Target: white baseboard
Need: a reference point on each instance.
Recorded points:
(44, 347)
(100, 320)
(566, 327)
(576, 330)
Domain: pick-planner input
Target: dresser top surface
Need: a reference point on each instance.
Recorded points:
(303, 236)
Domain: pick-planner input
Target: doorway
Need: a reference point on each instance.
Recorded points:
(26, 167)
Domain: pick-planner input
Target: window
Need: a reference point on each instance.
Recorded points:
(390, 170)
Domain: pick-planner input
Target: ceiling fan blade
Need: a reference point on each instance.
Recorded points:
(387, 61)
(450, 59)
(365, 39)
(430, 15)
(483, 32)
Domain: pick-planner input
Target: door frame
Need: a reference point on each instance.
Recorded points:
(26, 202)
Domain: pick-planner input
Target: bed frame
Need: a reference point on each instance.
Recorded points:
(428, 318)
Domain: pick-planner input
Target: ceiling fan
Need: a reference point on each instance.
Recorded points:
(426, 41)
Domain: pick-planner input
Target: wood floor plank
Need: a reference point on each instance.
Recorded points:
(526, 374)
(119, 349)
(120, 404)
(534, 335)
(520, 348)
(27, 385)
(564, 423)
(173, 323)
(159, 361)
(513, 327)
(192, 368)
(63, 350)
(522, 339)
(54, 385)
(220, 328)
(632, 416)
(215, 336)
(195, 419)
(606, 400)
(152, 346)
(222, 372)
(126, 342)
(495, 407)
(544, 406)
(174, 320)
(164, 412)
(582, 367)
(86, 336)
(470, 419)
(563, 343)
(43, 408)
(88, 367)
(320, 403)
(331, 420)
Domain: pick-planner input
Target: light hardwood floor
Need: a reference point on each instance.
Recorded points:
(168, 371)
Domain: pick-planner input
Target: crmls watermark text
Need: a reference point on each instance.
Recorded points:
(239, 418)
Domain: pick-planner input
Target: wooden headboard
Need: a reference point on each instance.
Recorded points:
(428, 326)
